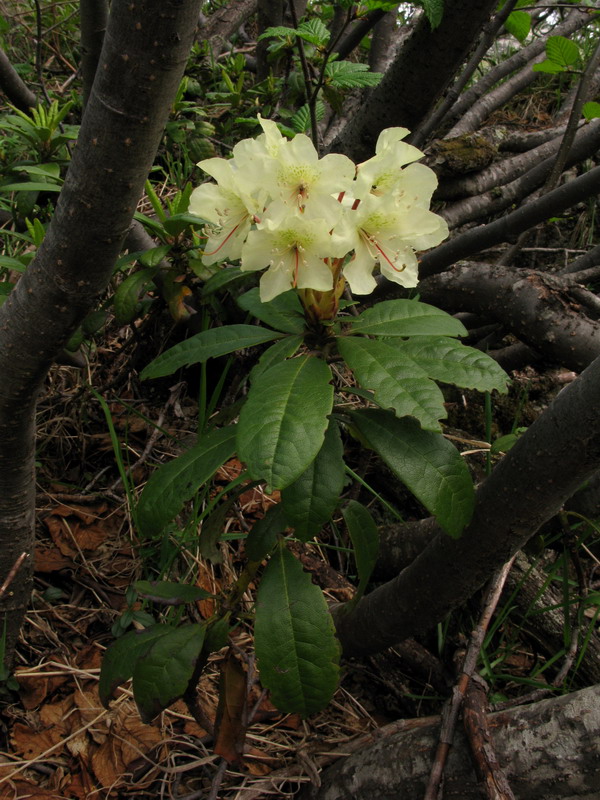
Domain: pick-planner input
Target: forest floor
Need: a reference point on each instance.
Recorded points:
(59, 743)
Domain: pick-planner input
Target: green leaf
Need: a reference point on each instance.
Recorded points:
(177, 223)
(51, 170)
(213, 527)
(365, 540)
(127, 297)
(168, 593)
(427, 463)
(8, 262)
(207, 344)
(174, 483)
(284, 348)
(550, 67)
(153, 257)
(263, 535)
(163, 674)
(283, 422)
(396, 380)
(301, 122)
(30, 186)
(278, 31)
(434, 11)
(294, 638)
(562, 51)
(451, 361)
(350, 74)
(311, 499)
(518, 24)
(506, 443)
(314, 31)
(406, 318)
(284, 312)
(121, 656)
(221, 279)
(591, 110)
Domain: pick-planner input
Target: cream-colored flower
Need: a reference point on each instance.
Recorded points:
(303, 179)
(383, 234)
(380, 174)
(294, 247)
(229, 208)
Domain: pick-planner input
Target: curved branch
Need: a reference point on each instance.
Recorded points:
(94, 18)
(436, 116)
(545, 748)
(471, 120)
(536, 307)
(144, 54)
(576, 20)
(497, 174)
(15, 89)
(531, 483)
(478, 239)
(417, 77)
(473, 208)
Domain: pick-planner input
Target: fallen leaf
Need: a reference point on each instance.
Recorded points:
(22, 790)
(230, 725)
(128, 739)
(29, 743)
(50, 559)
(33, 689)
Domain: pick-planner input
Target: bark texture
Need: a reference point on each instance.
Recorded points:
(484, 236)
(94, 18)
(533, 175)
(576, 20)
(13, 86)
(536, 307)
(422, 71)
(141, 64)
(547, 750)
(547, 465)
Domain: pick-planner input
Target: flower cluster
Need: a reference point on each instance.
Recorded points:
(312, 222)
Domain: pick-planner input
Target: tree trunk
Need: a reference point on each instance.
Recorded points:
(13, 86)
(144, 54)
(484, 236)
(531, 483)
(418, 76)
(548, 750)
(94, 17)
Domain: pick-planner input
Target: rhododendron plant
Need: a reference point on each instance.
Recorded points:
(314, 223)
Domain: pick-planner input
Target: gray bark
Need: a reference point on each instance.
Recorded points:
(546, 466)
(497, 199)
(94, 18)
(534, 306)
(497, 174)
(416, 79)
(484, 236)
(224, 22)
(13, 86)
(144, 54)
(576, 20)
(548, 750)
(382, 41)
(436, 116)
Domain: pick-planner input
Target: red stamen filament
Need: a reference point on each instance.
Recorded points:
(296, 267)
(225, 240)
(372, 240)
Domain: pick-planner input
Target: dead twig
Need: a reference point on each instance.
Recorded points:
(12, 574)
(452, 707)
(475, 718)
